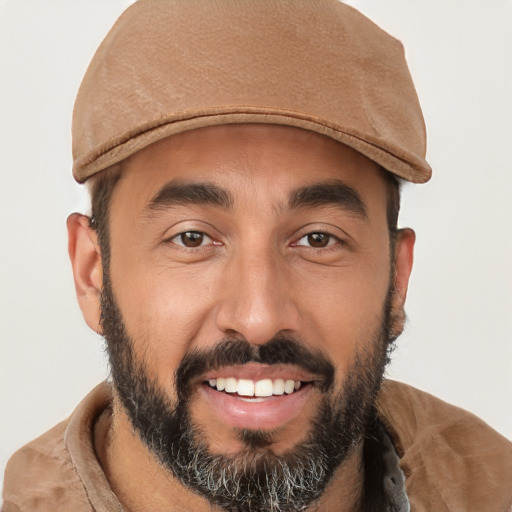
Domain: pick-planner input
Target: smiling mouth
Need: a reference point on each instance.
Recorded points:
(251, 389)
(258, 397)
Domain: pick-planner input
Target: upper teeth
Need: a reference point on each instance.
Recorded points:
(260, 388)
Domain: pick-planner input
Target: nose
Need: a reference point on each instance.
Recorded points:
(257, 299)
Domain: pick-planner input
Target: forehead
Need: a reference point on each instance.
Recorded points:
(250, 158)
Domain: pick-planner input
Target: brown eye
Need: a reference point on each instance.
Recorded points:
(191, 239)
(317, 240)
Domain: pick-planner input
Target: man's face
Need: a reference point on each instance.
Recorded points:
(250, 270)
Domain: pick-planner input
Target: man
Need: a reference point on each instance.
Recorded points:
(243, 263)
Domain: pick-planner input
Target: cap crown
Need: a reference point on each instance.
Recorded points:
(168, 66)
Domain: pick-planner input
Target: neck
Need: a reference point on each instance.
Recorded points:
(141, 483)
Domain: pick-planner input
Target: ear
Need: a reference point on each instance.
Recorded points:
(85, 256)
(404, 252)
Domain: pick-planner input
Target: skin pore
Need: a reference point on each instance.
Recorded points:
(243, 233)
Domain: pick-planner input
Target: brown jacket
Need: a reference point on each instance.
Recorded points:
(452, 460)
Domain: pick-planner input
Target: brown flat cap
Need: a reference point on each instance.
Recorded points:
(168, 66)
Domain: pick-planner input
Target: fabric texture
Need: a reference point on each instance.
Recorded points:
(452, 461)
(169, 66)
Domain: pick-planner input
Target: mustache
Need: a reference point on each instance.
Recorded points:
(233, 352)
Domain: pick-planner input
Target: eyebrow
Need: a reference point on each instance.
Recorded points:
(331, 193)
(190, 193)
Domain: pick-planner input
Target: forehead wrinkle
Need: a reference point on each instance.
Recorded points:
(180, 192)
(328, 193)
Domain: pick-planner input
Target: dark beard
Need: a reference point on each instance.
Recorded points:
(255, 479)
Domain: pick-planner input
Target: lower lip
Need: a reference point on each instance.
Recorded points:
(271, 413)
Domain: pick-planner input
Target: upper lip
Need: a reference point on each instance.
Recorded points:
(257, 371)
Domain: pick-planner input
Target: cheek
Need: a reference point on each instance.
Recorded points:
(166, 311)
(344, 310)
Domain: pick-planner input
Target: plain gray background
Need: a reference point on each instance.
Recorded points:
(457, 343)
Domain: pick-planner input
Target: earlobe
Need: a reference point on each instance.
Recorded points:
(404, 255)
(85, 258)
